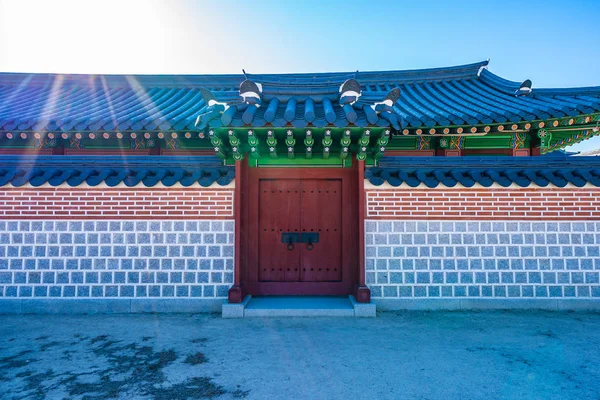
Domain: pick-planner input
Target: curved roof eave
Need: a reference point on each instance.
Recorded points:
(510, 87)
(224, 80)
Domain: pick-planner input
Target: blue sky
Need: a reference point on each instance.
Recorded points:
(553, 43)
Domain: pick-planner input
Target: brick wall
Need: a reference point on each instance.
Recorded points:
(480, 203)
(90, 203)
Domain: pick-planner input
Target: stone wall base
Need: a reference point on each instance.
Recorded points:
(109, 306)
(488, 304)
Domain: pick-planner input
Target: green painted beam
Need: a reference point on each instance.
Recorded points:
(316, 160)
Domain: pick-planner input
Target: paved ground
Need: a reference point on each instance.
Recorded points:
(410, 355)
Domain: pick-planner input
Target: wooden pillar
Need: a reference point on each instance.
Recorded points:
(235, 292)
(363, 293)
(448, 152)
(520, 152)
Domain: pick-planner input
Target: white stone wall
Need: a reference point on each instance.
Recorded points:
(482, 259)
(116, 259)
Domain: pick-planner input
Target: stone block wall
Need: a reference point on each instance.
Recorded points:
(116, 259)
(436, 251)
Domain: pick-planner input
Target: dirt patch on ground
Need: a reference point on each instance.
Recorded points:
(128, 370)
(195, 359)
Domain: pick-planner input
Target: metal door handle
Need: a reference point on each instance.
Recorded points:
(290, 238)
(310, 238)
(310, 245)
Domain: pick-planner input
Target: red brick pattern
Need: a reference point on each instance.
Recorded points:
(122, 203)
(489, 204)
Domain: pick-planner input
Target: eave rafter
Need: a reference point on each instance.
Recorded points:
(323, 142)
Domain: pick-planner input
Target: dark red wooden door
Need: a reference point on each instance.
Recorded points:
(300, 207)
(321, 213)
(300, 202)
(279, 207)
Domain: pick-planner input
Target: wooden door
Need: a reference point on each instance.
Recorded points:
(279, 212)
(321, 213)
(304, 203)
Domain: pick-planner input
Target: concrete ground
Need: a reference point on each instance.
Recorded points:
(405, 355)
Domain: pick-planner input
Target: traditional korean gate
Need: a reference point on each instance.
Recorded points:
(301, 233)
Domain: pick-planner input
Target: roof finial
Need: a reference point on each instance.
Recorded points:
(355, 74)
(524, 89)
(349, 92)
(244, 72)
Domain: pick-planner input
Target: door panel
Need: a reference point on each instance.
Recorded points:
(321, 212)
(279, 211)
(265, 259)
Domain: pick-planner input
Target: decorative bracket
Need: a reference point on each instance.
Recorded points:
(254, 145)
(217, 144)
(363, 145)
(272, 143)
(309, 142)
(235, 144)
(382, 143)
(327, 142)
(290, 142)
(545, 138)
(345, 144)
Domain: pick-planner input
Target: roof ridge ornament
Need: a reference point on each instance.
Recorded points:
(388, 102)
(349, 92)
(484, 66)
(211, 101)
(251, 92)
(524, 89)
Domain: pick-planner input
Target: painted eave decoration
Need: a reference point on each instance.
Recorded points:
(486, 171)
(113, 170)
(143, 110)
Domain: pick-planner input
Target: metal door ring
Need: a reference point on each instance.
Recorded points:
(290, 246)
(310, 246)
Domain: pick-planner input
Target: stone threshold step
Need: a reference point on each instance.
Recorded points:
(298, 306)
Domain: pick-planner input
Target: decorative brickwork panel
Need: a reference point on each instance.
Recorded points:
(122, 203)
(482, 259)
(477, 204)
(116, 259)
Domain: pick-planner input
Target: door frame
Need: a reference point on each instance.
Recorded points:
(248, 221)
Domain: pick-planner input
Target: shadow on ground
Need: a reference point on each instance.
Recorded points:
(101, 367)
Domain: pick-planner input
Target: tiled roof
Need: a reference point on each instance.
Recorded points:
(486, 171)
(462, 95)
(113, 170)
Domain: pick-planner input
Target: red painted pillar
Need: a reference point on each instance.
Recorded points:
(449, 152)
(235, 292)
(363, 293)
